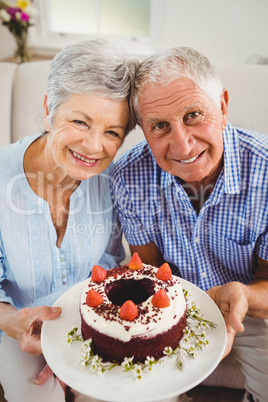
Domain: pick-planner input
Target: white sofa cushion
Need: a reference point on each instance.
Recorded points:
(7, 71)
(30, 82)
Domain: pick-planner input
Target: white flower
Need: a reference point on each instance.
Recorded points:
(186, 331)
(18, 15)
(93, 366)
(87, 343)
(167, 351)
(149, 361)
(138, 371)
(126, 363)
(5, 16)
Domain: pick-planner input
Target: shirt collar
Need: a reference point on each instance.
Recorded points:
(231, 160)
(231, 163)
(166, 179)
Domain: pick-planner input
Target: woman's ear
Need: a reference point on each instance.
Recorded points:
(46, 113)
(224, 107)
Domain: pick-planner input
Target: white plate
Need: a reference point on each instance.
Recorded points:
(164, 381)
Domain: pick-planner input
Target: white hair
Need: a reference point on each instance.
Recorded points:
(168, 65)
(94, 66)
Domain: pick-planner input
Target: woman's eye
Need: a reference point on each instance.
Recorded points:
(80, 124)
(113, 134)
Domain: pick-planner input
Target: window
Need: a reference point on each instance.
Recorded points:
(117, 17)
(127, 22)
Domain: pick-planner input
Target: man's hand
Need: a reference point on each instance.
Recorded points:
(232, 299)
(25, 325)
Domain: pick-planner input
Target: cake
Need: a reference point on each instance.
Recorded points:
(133, 310)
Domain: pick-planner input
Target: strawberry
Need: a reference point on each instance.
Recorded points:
(160, 299)
(98, 274)
(94, 298)
(164, 273)
(135, 262)
(128, 311)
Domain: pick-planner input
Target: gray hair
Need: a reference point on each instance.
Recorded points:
(167, 65)
(94, 66)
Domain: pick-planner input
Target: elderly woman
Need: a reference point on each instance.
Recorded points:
(56, 215)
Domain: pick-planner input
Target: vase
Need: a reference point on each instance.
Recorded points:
(22, 53)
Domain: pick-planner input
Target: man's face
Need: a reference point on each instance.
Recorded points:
(183, 128)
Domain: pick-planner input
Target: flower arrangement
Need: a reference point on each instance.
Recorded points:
(18, 20)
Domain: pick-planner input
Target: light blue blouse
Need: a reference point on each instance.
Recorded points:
(33, 270)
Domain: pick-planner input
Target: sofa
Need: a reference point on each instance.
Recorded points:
(22, 89)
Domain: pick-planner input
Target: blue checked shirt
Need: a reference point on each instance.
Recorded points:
(219, 244)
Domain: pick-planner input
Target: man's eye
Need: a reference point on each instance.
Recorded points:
(192, 117)
(160, 126)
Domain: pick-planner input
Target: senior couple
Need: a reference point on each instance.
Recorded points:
(193, 194)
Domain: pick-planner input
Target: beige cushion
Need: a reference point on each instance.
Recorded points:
(29, 90)
(7, 71)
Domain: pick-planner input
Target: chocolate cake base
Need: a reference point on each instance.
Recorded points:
(111, 349)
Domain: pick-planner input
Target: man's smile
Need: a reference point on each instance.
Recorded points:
(189, 160)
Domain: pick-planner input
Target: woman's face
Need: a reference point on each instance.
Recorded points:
(86, 133)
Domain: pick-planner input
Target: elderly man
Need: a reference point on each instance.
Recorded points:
(196, 195)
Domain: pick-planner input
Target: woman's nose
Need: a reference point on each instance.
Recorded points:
(92, 142)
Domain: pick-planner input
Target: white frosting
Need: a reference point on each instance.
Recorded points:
(161, 319)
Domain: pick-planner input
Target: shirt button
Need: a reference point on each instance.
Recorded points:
(204, 275)
(197, 240)
(64, 276)
(62, 259)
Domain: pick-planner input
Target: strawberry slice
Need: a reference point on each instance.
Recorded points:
(164, 273)
(160, 299)
(135, 262)
(128, 311)
(94, 298)
(98, 274)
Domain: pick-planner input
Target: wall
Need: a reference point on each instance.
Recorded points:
(7, 43)
(231, 31)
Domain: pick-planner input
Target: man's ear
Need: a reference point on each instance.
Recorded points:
(224, 107)
(47, 127)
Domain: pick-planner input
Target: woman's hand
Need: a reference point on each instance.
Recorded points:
(25, 325)
(45, 374)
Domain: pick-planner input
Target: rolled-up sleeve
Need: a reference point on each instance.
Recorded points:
(3, 296)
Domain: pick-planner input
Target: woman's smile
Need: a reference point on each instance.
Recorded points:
(83, 159)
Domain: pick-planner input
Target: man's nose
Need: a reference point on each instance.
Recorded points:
(181, 138)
